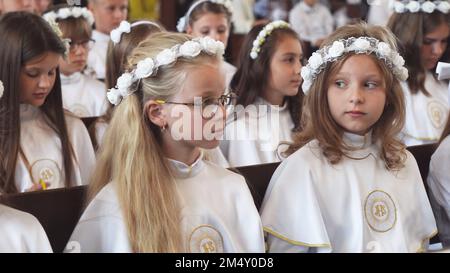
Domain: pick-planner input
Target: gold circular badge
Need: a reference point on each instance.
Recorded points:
(380, 211)
(437, 113)
(79, 110)
(46, 170)
(205, 239)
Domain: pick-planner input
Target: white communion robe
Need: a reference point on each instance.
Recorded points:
(21, 232)
(218, 214)
(97, 55)
(83, 95)
(257, 136)
(42, 150)
(425, 116)
(356, 205)
(439, 188)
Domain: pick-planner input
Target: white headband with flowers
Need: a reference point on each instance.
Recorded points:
(75, 12)
(261, 38)
(125, 27)
(149, 66)
(421, 6)
(55, 27)
(183, 21)
(361, 45)
(2, 88)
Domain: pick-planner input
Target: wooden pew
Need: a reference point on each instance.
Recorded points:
(58, 211)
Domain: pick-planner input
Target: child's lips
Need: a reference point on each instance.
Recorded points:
(355, 113)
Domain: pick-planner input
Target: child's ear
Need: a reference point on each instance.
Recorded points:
(189, 30)
(154, 112)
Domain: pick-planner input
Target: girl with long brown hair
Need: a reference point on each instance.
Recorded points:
(269, 99)
(423, 44)
(40, 144)
(349, 185)
(152, 189)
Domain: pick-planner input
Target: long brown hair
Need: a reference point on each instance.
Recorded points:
(26, 36)
(132, 157)
(418, 24)
(252, 76)
(317, 119)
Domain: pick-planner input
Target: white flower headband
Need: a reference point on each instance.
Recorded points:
(421, 6)
(362, 45)
(54, 25)
(75, 12)
(149, 66)
(1, 89)
(183, 21)
(125, 27)
(261, 38)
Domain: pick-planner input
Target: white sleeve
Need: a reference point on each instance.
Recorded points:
(105, 234)
(243, 17)
(439, 184)
(276, 245)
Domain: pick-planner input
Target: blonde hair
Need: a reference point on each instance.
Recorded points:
(132, 157)
(319, 124)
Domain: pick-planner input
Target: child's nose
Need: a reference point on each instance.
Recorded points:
(356, 95)
(438, 48)
(45, 81)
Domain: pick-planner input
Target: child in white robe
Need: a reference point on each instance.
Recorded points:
(349, 185)
(427, 98)
(439, 186)
(21, 232)
(269, 102)
(42, 146)
(108, 14)
(210, 18)
(151, 175)
(312, 21)
(82, 94)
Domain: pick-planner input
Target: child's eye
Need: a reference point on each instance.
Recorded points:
(32, 74)
(52, 72)
(205, 33)
(371, 85)
(340, 84)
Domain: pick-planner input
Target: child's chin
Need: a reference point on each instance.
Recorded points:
(209, 144)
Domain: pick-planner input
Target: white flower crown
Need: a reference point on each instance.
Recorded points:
(54, 25)
(149, 66)
(421, 6)
(125, 27)
(261, 38)
(2, 88)
(75, 12)
(362, 45)
(183, 21)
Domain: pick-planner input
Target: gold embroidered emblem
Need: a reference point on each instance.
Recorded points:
(79, 110)
(205, 239)
(380, 211)
(46, 170)
(437, 113)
